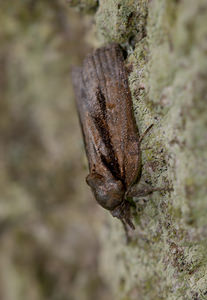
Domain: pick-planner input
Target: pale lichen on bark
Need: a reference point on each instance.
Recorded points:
(167, 47)
(86, 6)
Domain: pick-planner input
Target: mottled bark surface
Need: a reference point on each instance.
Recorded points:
(167, 52)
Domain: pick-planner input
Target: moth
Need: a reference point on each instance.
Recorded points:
(110, 134)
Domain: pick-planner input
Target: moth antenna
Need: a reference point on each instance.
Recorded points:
(126, 231)
(145, 133)
(131, 225)
(126, 228)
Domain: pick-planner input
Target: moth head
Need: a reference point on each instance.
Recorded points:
(110, 194)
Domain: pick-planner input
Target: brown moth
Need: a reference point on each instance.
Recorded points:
(109, 129)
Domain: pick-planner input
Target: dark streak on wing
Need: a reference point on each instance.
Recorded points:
(110, 161)
(93, 121)
(96, 81)
(102, 102)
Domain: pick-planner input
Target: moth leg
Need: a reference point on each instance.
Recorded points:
(126, 230)
(145, 133)
(145, 191)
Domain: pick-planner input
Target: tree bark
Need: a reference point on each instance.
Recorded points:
(166, 45)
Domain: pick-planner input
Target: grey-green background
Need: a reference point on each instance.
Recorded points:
(48, 241)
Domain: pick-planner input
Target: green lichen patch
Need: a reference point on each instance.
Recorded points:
(119, 20)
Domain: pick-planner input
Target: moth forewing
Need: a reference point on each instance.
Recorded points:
(109, 130)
